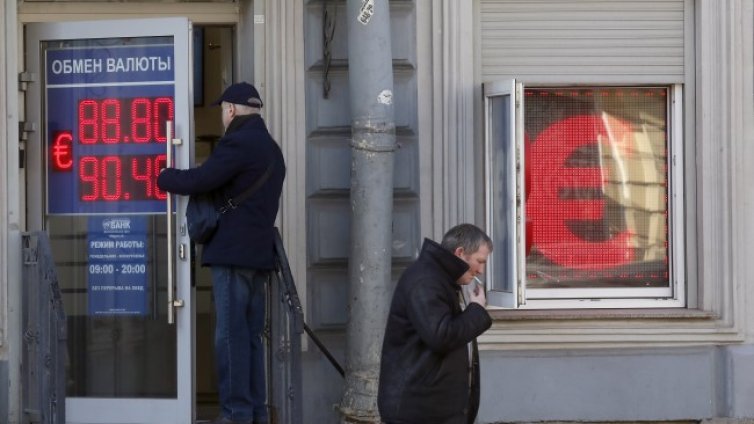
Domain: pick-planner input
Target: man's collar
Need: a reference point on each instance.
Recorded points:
(238, 121)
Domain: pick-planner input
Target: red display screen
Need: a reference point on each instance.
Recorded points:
(108, 153)
(598, 196)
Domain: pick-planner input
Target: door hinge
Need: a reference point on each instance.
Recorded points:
(25, 128)
(24, 78)
(22, 155)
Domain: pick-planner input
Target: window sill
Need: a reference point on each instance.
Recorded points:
(600, 314)
(526, 329)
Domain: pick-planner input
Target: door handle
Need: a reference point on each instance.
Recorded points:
(172, 301)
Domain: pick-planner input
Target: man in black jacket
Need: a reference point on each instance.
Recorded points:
(429, 372)
(241, 251)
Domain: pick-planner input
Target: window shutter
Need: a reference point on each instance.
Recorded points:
(583, 41)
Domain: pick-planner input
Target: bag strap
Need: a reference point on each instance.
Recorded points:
(233, 203)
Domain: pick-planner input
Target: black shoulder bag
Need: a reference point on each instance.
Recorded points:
(202, 216)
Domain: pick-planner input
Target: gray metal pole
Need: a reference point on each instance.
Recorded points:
(370, 73)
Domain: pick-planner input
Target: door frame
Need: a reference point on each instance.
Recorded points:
(179, 410)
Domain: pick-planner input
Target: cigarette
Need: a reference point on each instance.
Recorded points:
(478, 281)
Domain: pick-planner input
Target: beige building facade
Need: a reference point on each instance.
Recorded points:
(603, 144)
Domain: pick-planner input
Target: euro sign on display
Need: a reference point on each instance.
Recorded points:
(552, 214)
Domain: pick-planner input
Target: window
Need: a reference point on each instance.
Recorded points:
(581, 199)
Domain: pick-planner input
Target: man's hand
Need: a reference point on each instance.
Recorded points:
(477, 295)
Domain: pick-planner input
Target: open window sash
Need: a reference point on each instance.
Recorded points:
(506, 225)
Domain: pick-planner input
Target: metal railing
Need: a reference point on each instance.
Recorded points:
(44, 326)
(285, 325)
(44, 334)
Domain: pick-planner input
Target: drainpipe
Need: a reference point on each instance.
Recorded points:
(370, 73)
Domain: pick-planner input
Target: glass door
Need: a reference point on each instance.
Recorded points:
(112, 101)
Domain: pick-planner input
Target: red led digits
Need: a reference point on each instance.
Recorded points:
(114, 178)
(110, 121)
(89, 178)
(62, 151)
(163, 111)
(133, 120)
(88, 122)
(116, 164)
(160, 161)
(112, 182)
(144, 176)
(151, 170)
(141, 112)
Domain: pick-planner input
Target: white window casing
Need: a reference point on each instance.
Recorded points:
(509, 278)
(702, 50)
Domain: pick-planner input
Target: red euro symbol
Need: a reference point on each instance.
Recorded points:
(62, 151)
(551, 176)
(528, 222)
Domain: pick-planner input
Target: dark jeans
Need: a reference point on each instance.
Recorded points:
(239, 352)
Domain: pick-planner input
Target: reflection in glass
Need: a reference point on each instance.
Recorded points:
(502, 222)
(599, 194)
(114, 355)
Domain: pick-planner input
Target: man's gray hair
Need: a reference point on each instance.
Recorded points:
(243, 109)
(468, 236)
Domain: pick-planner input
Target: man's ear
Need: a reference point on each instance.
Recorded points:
(458, 252)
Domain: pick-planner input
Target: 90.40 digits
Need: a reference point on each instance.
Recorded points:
(120, 177)
(117, 120)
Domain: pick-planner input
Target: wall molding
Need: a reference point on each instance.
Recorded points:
(279, 72)
(448, 150)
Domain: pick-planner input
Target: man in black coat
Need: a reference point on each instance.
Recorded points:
(429, 368)
(241, 251)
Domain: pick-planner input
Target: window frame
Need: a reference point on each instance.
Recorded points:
(521, 297)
